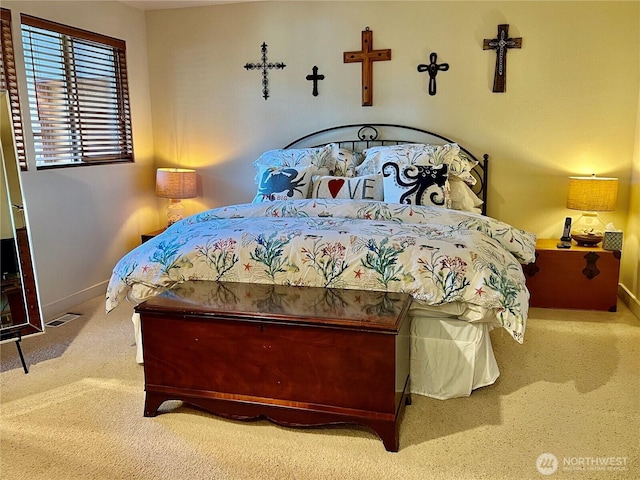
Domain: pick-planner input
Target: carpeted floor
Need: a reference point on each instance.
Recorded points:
(571, 390)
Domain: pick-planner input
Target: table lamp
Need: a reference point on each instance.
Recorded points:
(176, 184)
(591, 195)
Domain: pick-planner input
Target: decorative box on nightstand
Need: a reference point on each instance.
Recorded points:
(579, 277)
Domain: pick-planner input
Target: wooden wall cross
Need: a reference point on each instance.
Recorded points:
(265, 67)
(501, 44)
(367, 56)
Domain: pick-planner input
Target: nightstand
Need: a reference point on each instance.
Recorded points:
(579, 277)
(148, 236)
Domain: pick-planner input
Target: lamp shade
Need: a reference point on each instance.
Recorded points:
(592, 194)
(176, 183)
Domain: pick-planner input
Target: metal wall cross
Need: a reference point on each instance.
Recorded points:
(265, 66)
(501, 44)
(315, 77)
(433, 68)
(367, 56)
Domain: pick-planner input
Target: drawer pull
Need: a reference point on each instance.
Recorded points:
(591, 270)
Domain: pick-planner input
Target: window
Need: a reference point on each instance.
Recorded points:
(9, 82)
(78, 95)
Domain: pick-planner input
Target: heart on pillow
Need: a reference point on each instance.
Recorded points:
(348, 188)
(335, 186)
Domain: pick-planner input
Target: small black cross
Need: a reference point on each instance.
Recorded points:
(265, 70)
(315, 77)
(433, 68)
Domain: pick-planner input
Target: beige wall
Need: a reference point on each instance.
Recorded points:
(571, 107)
(84, 219)
(571, 104)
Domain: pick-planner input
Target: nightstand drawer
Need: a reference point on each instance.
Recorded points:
(580, 277)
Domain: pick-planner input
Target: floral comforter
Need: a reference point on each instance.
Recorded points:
(437, 255)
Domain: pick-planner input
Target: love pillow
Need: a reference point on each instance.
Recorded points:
(367, 187)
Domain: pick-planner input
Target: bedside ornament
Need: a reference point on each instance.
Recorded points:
(587, 238)
(265, 67)
(501, 44)
(433, 68)
(366, 57)
(314, 78)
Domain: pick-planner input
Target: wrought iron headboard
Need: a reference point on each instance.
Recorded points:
(381, 134)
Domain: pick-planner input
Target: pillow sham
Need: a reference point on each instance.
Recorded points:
(368, 187)
(416, 184)
(284, 183)
(320, 157)
(346, 162)
(462, 197)
(458, 164)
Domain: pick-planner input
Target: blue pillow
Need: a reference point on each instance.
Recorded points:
(284, 183)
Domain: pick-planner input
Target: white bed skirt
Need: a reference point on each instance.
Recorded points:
(449, 358)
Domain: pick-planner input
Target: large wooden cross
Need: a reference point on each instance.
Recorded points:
(501, 44)
(367, 56)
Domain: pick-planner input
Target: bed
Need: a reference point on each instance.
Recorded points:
(371, 207)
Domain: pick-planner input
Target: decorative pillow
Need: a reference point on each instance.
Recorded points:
(346, 162)
(462, 197)
(321, 157)
(416, 184)
(458, 164)
(284, 183)
(368, 187)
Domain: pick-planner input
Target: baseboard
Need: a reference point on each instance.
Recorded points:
(54, 309)
(629, 299)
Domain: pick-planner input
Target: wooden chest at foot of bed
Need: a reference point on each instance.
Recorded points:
(298, 356)
(579, 277)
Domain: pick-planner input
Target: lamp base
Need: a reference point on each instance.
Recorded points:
(587, 239)
(175, 212)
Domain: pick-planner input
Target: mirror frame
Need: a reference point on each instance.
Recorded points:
(33, 319)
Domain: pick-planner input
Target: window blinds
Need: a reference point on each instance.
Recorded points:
(78, 95)
(9, 82)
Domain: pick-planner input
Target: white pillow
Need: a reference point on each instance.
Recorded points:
(321, 157)
(458, 164)
(346, 162)
(284, 183)
(462, 197)
(368, 187)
